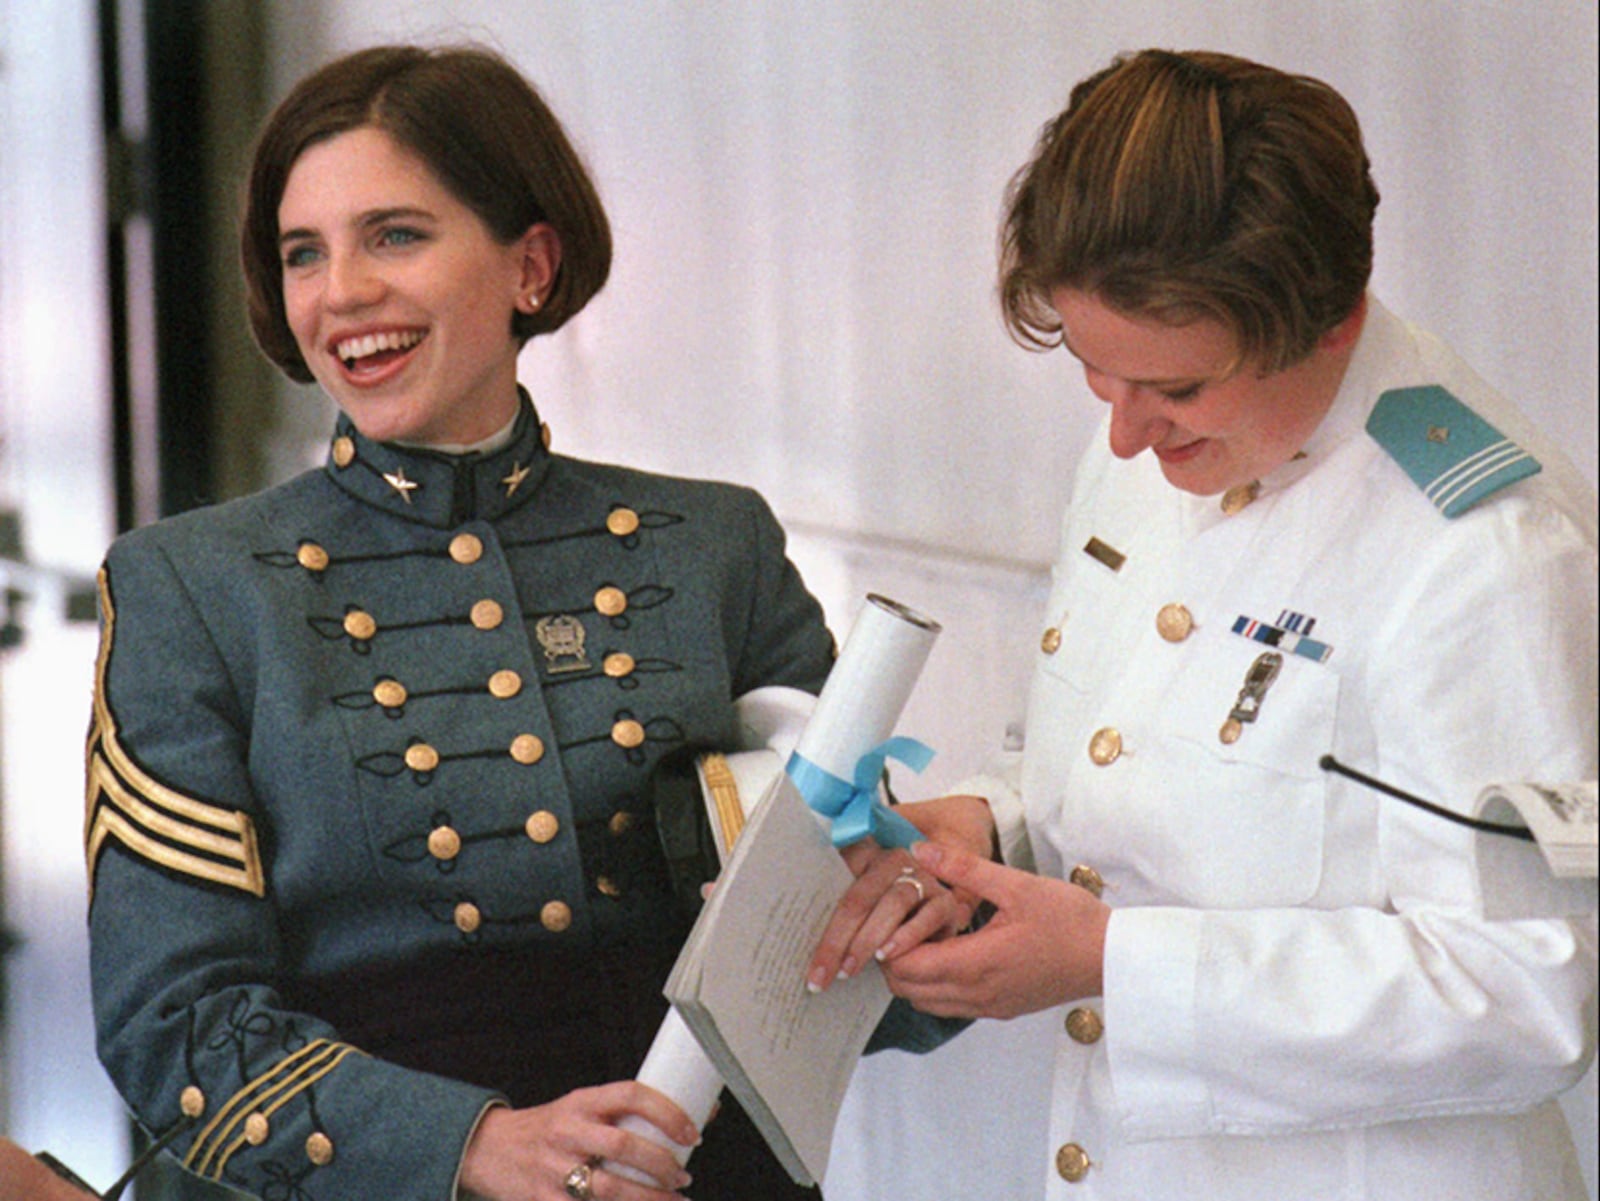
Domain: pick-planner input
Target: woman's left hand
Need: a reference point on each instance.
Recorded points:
(893, 905)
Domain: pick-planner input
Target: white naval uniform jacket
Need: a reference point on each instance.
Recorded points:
(1303, 1001)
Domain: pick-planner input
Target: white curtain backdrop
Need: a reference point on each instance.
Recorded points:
(804, 197)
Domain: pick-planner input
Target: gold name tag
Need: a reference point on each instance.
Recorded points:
(1101, 553)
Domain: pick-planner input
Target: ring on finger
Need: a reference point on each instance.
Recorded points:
(908, 875)
(579, 1183)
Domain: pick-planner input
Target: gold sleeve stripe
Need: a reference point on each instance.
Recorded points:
(157, 823)
(725, 796)
(265, 1095)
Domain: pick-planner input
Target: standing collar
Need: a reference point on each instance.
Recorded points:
(438, 489)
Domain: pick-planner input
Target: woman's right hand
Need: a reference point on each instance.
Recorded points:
(527, 1154)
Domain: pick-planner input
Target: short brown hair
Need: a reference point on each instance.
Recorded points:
(1178, 186)
(482, 129)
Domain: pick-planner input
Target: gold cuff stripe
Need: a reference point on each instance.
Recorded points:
(725, 796)
(265, 1095)
(153, 821)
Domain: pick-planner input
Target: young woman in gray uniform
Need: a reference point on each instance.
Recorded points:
(379, 905)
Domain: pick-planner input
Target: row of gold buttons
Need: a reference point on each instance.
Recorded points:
(257, 1128)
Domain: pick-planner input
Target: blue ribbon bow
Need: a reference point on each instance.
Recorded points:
(854, 807)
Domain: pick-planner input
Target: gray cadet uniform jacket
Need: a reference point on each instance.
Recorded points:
(401, 710)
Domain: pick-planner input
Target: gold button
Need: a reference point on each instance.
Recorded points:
(1174, 622)
(542, 826)
(257, 1129)
(556, 916)
(627, 733)
(1051, 642)
(360, 625)
(618, 665)
(421, 757)
(444, 843)
(505, 684)
(319, 1149)
(487, 615)
(527, 748)
(610, 602)
(344, 452)
(1238, 498)
(192, 1102)
(1085, 1026)
(608, 886)
(466, 548)
(468, 917)
(1105, 746)
(391, 694)
(620, 823)
(1230, 731)
(622, 522)
(544, 434)
(1072, 1163)
(312, 557)
(1086, 878)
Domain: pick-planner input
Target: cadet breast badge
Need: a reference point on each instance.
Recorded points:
(561, 638)
(1247, 706)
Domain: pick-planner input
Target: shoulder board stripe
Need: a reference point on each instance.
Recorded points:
(1480, 469)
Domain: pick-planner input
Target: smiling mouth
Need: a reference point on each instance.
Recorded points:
(1179, 454)
(370, 352)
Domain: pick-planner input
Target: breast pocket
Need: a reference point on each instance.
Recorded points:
(1243, 729)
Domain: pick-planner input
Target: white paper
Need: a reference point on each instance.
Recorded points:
(862, 700)
(740, 982)
(868, 687)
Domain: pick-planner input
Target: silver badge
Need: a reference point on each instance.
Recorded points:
(1247, 705)
(561, 637)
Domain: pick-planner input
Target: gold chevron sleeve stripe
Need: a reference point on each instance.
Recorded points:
(725, 796)
(157, 823)
(265, 1095)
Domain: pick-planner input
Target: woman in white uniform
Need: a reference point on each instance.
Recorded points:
(1308, 529)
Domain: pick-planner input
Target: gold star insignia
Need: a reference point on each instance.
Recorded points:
(514, 480)
(397, 480)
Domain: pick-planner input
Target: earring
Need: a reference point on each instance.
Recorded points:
(533, 302)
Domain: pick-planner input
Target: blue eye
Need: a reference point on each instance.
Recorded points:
(400, 235)
(299, 256)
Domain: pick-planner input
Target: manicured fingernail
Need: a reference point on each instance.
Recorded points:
(886, 950)
(848, 968)
(928, 853)
(817, 981)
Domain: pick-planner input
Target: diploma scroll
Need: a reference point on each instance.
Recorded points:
(835, 766)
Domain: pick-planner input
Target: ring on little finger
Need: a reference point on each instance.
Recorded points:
(579, 1183)
(908, 875)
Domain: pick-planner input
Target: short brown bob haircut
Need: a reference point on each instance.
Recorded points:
(1182, 186)
(482, 129)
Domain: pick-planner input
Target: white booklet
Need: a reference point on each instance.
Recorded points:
(1555, 875)
(1562, 818)
(786, 1053)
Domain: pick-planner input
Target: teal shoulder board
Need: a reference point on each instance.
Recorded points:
(1455, 456)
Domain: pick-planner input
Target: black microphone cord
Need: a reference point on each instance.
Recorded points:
(1329, 763)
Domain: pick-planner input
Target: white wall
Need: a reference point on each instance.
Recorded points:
(805, 198)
